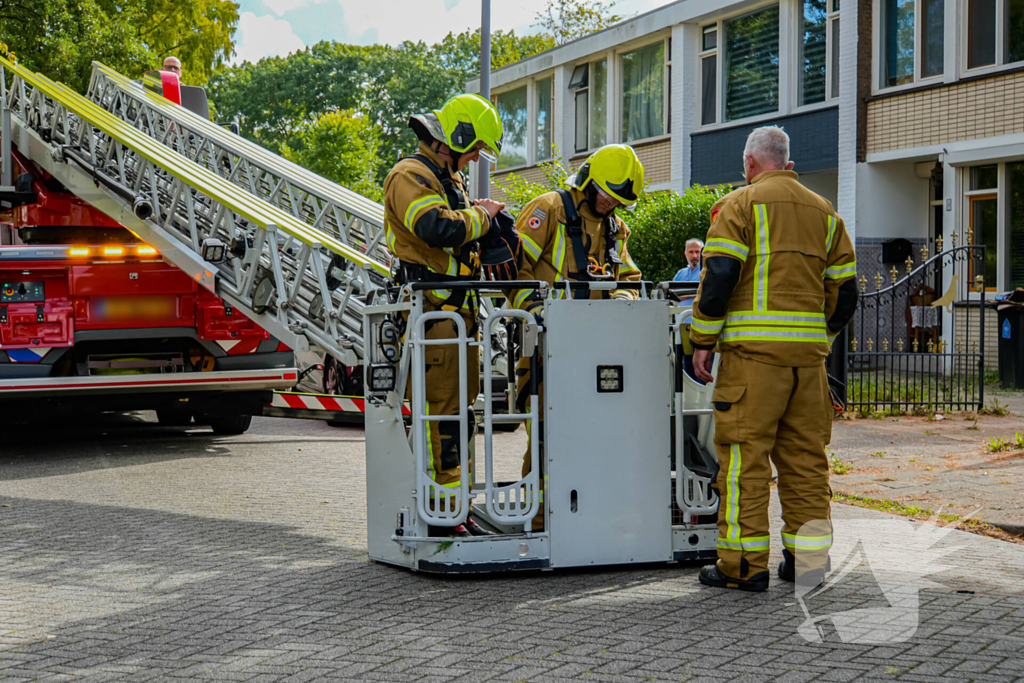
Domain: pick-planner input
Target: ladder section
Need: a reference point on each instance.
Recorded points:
(304, 286)
(328, 207)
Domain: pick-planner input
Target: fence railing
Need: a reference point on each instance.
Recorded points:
(919, 342)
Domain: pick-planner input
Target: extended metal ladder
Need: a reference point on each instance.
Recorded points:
(305, 285)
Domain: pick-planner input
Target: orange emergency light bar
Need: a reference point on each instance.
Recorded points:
(112, 251)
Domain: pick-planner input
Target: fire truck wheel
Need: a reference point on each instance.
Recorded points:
(230, 424)
(169, 417)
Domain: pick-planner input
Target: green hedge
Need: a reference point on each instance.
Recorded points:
(662, 223)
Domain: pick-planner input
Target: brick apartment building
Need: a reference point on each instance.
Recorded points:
(907, 114)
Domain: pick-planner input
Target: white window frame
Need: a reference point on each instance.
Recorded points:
(590, 91)
(1002, 275)
(716, 52)
(876, 57)
(963, 19)
(620, 54)
(534, 119)
(796, 72)
(532, 112)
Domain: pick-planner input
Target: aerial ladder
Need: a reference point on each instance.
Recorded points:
(302, 272)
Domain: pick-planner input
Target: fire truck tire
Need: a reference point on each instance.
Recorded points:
(230, 424)
(169, 417)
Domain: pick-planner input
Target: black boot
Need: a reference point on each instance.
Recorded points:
(713, 576)
(475, 529)
(787, 571)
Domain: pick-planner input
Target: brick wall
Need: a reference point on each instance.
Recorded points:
(962, 111)
(968, 332)
(863, 74)
(657, 160)
(532, 174)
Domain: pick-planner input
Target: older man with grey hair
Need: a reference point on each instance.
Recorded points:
(691, 271)
(778, 284)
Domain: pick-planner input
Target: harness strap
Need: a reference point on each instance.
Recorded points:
(574, 227)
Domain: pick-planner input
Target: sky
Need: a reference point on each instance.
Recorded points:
(268, 28)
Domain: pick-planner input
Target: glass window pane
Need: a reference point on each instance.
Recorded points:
(1015, 179)
(983, 223)
(897, 42)
(981, 33)
(708, 89)
(812, 52)
(512, 109)
(643, 93)
(544, 119)
(599, 105)
(752, 64)
(710, 37)
(835, 58)
(932, 27)
(984, 177)
(581, 120)
(835, 5)
(579, 77)
(1013, 38)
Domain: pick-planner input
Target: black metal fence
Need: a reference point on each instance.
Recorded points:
(917, 341)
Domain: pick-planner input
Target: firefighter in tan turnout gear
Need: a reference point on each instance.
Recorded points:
(436, 233)
(778, 284)
(574, 235)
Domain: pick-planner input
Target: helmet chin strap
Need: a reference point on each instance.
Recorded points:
(452, 154)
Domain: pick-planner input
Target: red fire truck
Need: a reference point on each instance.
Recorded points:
(94, 319)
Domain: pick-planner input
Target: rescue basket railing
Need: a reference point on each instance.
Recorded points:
(511, 503)
(280, 272)
(518, 502)
(438, 504)
(694, 494)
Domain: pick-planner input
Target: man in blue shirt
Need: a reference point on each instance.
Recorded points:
(691, 273)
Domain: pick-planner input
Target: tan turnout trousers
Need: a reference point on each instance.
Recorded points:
(767, 411)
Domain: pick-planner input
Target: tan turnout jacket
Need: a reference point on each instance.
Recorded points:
(794, 253)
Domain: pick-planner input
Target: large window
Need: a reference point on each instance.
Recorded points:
(995, 32)
(819, 51)
(903, 28)
(545, 103)
(994, 208)
(752, 64)
(512, 107)
(590, 83)
(709, 75)
(1015, 180)
(643, 93)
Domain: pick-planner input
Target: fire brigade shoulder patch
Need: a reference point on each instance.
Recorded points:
(714, 213)
(536, 218)
(422, 181)
(533, 222)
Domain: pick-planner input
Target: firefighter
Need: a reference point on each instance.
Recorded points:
(778, 285)
(574, 235)
(436, 232)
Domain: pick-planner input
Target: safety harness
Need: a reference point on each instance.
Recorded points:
(418, 272)
(574, 228)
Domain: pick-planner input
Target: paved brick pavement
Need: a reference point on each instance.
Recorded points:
(938, 463)
(134, 552)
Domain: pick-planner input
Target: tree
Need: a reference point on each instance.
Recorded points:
(341, 146)
(567, 20)
(278, 98)
(61, 38)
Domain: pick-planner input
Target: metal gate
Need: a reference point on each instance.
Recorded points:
(918, 342)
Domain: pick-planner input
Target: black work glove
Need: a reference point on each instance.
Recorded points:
(501, 249)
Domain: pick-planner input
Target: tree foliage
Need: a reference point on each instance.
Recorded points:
(278, 98)
(341, 146)
(61, 38)
(568, 20)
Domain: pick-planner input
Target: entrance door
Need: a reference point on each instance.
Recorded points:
(985, 229)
